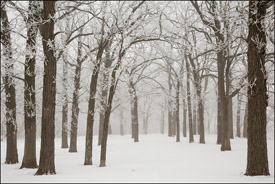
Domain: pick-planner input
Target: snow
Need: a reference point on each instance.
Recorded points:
(156, 158)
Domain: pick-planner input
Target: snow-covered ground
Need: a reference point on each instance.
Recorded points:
(156, 158)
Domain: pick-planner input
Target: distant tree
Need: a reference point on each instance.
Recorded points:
(9, 85)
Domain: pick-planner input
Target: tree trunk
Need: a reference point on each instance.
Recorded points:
(108, 112)
(91, 108)
(257, 159)
(104, 91)
(177, 114)
(191, 138)
(12, 155)
(223, 102)
(136, 139)
(238, 125)
(162, 122)
(75, 108)
(201, 118)
(121, 123)
(245, 121)
(46, 162)
(29, 159)
(184, 129)
(230, 118)
(65, 109)
(194, 126)
(219, 122)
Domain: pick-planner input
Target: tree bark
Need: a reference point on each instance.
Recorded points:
(9, 85)
(46, 162)
(29, 159)
(121, 123)
(184, 128)
(238, 124)
(230, 118)
(245, 121)
(75, 107)
(177, 114)
(191, 138)
(257, 159)
(91, 108)
(194, 123)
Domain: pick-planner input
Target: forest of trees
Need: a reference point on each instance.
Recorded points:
(203, 67)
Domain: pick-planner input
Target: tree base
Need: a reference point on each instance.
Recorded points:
(45, 172)
(263, 172)
(102, 163)
(11, 161)
(88, 162)
(29, 164)
(64, 147)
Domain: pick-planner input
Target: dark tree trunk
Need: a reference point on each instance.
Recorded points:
(245, 121)
(91, 108)
(108, 112)
(75, 108)
(201, 119)
(191, 138)
(65, 109)
(104, 92)
(136, 139)
(177, 114)
(223, 102)
(46, 162)
(257, 159)
(219, 122)
(12, 155)
(29, 159)
(238, 124)
(230, 118)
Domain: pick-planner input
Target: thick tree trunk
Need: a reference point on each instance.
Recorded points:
(223, 102)
(219, 122)
(245, 121)
(75, 108)
(134, 110)
(257, 159)
(230, 118)
(191, 138)
(91, 108)
(12, 155)
(201, 119)
(46, 162)
(238, 118)
(29, 159)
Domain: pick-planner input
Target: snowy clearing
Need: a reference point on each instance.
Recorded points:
(156, 158)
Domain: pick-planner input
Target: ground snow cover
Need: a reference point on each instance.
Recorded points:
(156, 158)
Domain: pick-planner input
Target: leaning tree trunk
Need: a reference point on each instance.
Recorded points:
(46, 162)
(91, 108)
(29, 159)
(191, 138)
(104, 91)
(238, 123)
(11, 155)
(257, 159)
(75, 108)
